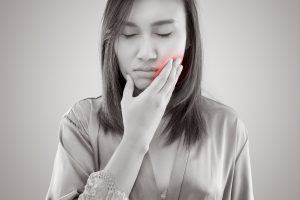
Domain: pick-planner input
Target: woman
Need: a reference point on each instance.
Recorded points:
(151, 135)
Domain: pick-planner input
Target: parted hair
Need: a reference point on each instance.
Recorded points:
(184, 107)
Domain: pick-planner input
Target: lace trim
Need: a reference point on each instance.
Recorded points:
(163, 195)
(101, 186)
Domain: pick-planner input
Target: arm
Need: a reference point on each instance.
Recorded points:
(242, 180)
(74, 169)
(120, 172)
(125, 164)
(239, 184)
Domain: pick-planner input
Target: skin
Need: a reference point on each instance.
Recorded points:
(146, 47)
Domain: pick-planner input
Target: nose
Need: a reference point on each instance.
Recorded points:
(146, 50)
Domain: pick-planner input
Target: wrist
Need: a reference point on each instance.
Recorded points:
(134, 144)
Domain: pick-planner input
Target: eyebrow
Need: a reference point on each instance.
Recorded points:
(157, 23)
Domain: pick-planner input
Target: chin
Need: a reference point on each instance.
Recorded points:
(142, 84)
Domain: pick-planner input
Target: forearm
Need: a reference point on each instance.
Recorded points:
(125, 164)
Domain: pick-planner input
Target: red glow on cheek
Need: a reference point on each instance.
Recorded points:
(164, 61)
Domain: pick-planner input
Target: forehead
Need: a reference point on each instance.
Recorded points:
(148, 11)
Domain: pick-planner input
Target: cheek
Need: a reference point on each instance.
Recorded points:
(180, 42)
(176, 45)
(123, 56)
(173, 49)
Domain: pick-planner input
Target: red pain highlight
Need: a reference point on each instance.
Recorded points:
(164, 61)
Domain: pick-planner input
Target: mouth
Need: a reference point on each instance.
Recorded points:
(146, 69)
(145, 73)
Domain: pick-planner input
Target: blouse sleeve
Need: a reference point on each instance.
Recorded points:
(73, 175)
(239, 186)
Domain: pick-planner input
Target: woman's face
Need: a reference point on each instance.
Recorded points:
(154, 32)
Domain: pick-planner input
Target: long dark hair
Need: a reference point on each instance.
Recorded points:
(184, 107)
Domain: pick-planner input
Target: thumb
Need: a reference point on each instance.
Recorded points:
(129, 87)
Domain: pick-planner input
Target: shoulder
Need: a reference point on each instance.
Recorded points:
(81, 111)
(223, 122)
(215, 110)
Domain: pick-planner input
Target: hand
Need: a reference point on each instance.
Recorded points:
(142, 114)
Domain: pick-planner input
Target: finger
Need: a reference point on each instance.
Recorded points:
(170, 92)
(129, 87)
(179, 70)
(161, 79)
(171, 78)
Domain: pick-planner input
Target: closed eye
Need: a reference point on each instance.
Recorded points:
(129, 36)
(161, 35)
(165, 35)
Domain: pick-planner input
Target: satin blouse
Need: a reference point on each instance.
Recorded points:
(218, 169)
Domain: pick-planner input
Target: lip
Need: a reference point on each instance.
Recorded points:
(146, 69)
(145, 74)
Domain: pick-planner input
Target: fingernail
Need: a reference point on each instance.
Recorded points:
(179, 60)
(181, 67)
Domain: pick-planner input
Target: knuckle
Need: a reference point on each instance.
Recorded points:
(157, 102)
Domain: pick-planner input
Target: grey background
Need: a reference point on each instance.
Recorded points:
(49, 60)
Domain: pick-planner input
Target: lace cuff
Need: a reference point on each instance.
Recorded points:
(101, 186)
